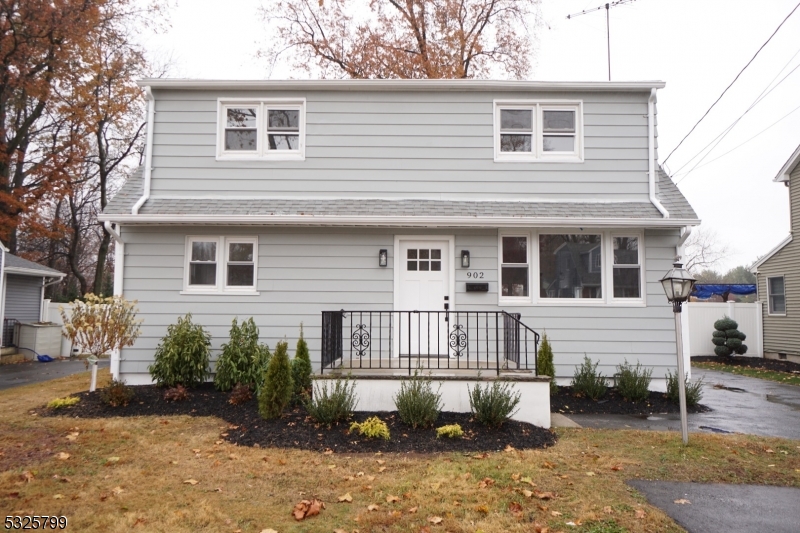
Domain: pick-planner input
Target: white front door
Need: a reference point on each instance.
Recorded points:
(424, 285)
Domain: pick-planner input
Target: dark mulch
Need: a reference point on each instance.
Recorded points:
(296, 430)
(567, 402)
(775, 365)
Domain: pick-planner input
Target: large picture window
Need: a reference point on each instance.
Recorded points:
(514, 276)
(221, 264)
(261, 129)
(569, 268)
(627, 268)
(538, 131)
(776, 291)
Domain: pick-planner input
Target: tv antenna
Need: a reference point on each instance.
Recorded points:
(607, 7)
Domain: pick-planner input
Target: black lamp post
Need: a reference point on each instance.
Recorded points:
(678, 284)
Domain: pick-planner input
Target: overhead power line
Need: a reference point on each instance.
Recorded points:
(734, 81)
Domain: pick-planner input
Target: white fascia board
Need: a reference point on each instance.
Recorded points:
(789, 166)
(33, 272)
(397, 221)
(772, 252)
(394, 85)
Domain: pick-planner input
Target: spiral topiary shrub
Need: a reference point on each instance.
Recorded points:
(727, 338)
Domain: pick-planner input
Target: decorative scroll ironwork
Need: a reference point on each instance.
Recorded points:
(361, 339)
(458, 340)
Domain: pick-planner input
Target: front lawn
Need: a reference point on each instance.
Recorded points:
(769, 369)
(178, 473)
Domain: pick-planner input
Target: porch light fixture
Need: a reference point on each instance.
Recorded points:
(464, 258)
(383, 257)
(678, 284)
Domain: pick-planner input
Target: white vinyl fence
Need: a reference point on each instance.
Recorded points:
(698, 323)
(52, 315)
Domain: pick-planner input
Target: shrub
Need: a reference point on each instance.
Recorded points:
(544, 363)
(276, 393)
(372, 428)
(452, 431)
(117, 393)
(634, 382)
(694, 391)
(262, 359)
(177, 393)
(727, 338)
(301, 370)
(101, 325)
(182, 355)
(587, 381)
(240, 357)
(417, 403)
(493, 404)
(240, 394)
(59, 403)
(328, 406)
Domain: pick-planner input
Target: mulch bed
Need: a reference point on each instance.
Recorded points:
(567, 402)
(760, 363)
(296, 430)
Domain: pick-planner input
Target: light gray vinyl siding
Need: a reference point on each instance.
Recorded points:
(303, 271)
(402, 144)
(23, 298)
(781, 332)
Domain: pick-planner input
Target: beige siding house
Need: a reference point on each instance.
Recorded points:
(778, 275)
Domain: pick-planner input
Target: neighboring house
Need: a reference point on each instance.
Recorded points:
(23, 284)
(778, 276)
(282, 200)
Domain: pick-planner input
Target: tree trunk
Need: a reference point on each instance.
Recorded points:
(100, 269)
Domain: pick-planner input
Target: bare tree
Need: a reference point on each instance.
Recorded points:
(704, 249)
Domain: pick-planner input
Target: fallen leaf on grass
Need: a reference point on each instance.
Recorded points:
(58, 496)
(373, 507)
(435, 520)
(515, 509)
(435, 486)
(28, 476)
(412, 510)
(607, 509)
(528, 480)
(62, 479)
(640, 513)
(590, 474)
(72, 437)
(539, 528)
(381, 469)
(515, 477)
(268, 531)
(548, 464)
(392, 499)
(307, 508)
(682, 501)
(509, 448)
(544, 495)
(486, 482)
(380, 461)
(616, 468)
(527, 493)
(555, 513)
(116, 491)
(191, 482)
(346, 498)
(62, 455)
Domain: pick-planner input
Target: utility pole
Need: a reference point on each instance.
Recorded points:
(607, 7)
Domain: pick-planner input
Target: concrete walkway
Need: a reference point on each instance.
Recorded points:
(740, 405)
(717, 508)
(35, 372)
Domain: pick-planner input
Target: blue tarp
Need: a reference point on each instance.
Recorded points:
(707, 290)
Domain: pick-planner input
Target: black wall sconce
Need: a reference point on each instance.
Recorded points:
(383, 257)
(464, 258)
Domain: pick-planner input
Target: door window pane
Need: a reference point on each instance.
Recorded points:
(567, 268)
(436, 254)
(411, 253)
(412, 266)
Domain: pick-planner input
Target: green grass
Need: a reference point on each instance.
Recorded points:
(771, 375)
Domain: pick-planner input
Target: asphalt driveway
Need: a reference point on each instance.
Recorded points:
(18, 374)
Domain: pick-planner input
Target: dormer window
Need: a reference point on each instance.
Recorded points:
(261, 129)
(538, 131)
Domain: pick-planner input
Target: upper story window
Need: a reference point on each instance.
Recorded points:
(538, 131)
(261, 129)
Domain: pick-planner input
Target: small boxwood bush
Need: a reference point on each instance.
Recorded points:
(544, 363)
(633, 381)
(372, 428)
(494, 403)
(331, 405)
(59, 403)
(240, 360)
(694, 391)
(116, 394)
(453, 431)
(727, 338)
(276, 392)
(417, 403)
(588, 382)
(182, 356)
(301, 370)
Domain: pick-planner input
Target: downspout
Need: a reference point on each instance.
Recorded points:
(148, 151)
(685, 233)
(119, 268)
(651, 147)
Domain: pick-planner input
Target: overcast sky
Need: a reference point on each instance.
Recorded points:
(696, 46)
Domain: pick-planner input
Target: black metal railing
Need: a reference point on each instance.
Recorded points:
(452, 340)
(10, 332)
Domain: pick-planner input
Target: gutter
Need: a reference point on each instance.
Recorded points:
(148, 151)
(651, 148)
(119, 269)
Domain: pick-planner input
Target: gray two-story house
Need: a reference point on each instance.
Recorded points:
(449, 219)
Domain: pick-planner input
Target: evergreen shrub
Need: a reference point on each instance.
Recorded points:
(276, 393)
(372, 428)
(493, 404)
(301, 370)
(587, 381)
(331, 405)
(240, 359)
(417, 403)
(634, 382)
(727, 338)
(545, 365)
(694, 391)
(182, 356)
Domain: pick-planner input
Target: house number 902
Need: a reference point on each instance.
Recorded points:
(475, 275)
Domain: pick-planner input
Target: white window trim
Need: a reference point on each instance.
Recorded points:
(607, 280)
(769, 297)
(262, 153)
(610, 265)
(221, 286)
(514, 300)
(537, 153)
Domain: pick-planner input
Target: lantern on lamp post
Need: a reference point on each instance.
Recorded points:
(678, 285)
